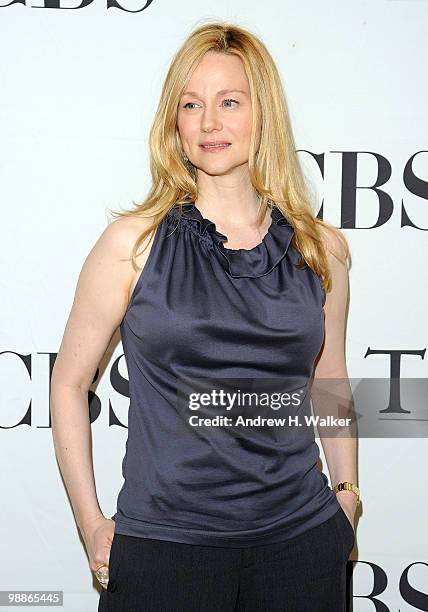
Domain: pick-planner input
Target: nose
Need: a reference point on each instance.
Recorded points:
(210, 119)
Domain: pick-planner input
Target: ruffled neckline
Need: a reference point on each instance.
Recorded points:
(250, 263)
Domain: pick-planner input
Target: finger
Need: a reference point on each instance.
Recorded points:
(102, 575)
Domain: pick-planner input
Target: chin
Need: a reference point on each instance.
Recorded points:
(219, 171)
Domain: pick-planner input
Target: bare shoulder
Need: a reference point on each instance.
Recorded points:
(338, 253)
(99, 304)
(335, 243)
(121, 235)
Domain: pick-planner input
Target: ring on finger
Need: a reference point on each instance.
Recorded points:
(102, 574)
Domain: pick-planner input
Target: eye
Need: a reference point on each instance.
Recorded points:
(226, 100)
(231, 100)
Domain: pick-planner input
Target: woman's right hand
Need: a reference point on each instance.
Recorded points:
(98, 538)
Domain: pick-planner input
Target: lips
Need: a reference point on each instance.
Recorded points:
(215, 145)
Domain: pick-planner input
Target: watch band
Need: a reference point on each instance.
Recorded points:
(348, 486)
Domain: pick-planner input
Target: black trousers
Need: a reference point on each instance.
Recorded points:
(306, 573)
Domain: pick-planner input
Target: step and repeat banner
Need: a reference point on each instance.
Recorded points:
(79, 86)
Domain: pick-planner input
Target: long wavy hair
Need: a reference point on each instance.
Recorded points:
(274, 167)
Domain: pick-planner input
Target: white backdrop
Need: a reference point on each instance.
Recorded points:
(78, 91)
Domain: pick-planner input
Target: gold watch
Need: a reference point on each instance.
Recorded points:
(348, 486)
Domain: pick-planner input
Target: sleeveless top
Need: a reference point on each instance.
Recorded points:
(201, 311)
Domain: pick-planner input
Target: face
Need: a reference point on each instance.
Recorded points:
(216, 108)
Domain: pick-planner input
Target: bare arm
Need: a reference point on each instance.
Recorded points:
(101, 298)
(332, 393)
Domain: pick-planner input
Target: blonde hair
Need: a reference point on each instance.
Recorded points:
(274, 167)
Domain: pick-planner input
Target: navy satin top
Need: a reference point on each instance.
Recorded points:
(201, 311)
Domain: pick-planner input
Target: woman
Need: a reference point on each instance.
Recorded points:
(237, 281)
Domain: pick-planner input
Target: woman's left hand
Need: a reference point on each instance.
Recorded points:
(348, 501)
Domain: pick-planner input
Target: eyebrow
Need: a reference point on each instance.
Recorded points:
(219, 93)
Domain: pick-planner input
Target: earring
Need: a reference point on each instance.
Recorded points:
(186, 159)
